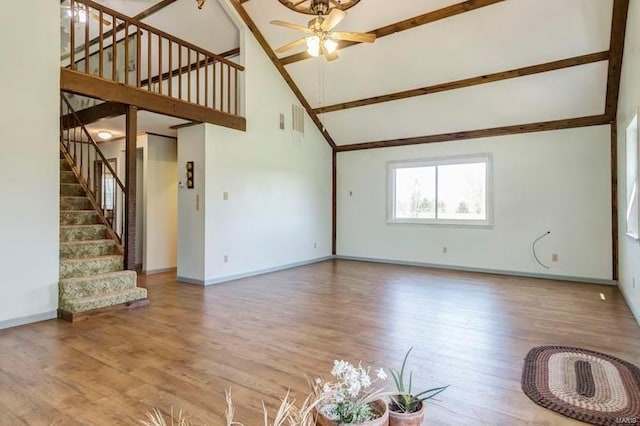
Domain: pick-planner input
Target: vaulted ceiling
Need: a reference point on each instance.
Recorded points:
(489, 37)
(438, 67)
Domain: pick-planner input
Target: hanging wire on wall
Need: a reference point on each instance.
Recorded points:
(534, 249)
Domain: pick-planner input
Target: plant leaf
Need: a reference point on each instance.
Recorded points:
(435, 391)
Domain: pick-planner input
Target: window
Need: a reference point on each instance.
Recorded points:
(446, 191)
(632, 211)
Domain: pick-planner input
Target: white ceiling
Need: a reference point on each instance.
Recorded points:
(500, 37)
(148, 122)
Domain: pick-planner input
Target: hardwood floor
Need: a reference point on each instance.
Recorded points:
(262, 335)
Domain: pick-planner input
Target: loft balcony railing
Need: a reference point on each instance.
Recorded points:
(109, 45)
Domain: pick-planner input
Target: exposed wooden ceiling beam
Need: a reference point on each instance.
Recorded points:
(407, 24)
(88, 85)
(468, 82)
(98, 112)
(570, 123)
(271, 54)
(616, 50)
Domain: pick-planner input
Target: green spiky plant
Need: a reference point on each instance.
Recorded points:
(405, 401)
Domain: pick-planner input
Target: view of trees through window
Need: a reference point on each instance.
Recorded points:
(442, 192)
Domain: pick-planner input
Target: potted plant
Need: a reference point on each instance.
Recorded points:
(407, 408)
(349, 398)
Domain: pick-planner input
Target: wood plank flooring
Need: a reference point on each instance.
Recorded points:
(262, 335)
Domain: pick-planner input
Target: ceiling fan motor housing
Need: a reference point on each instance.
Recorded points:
(320, 7)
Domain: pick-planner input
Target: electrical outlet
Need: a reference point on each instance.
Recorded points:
(554, 257)
(197, 202)
(445, 250)
(315, 245)
(350, 193)
(225, 196)
(226, 258)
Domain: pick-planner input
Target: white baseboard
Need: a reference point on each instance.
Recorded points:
(634, 311)
(252, 273)
(481, 270)
(158, 271)
(15, 322)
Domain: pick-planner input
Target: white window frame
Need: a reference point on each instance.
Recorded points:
(632, 160)
(392, 166)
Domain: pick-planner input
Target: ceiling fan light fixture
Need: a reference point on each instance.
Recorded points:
(330, 45)
(313, 45)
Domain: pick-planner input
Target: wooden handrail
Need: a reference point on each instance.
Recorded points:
(156, 54)
(153, 30)
(90, 141)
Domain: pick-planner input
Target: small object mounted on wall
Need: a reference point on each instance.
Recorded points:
(190, 174)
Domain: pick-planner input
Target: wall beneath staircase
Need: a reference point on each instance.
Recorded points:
(29, 163)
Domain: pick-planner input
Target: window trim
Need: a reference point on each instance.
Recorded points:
(634, 120)
(486, 158)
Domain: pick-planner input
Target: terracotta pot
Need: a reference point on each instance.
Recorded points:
(406, 419)
(379, 406)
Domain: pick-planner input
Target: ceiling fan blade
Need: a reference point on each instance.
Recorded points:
(358, 37)
(329, 56)
(291, 45)
(292, 26)
(334, 18)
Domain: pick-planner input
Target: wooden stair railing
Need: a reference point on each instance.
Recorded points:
(133, 53)
(104, 189)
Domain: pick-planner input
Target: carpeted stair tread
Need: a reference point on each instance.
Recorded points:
(82, 232)
(84, 304)
(67, 176)
(83, 249)
(84, 267)
(64, 165)
(71, 189)
(79, 217)
(75, 203)
(73, 288)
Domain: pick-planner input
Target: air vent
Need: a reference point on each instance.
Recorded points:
(297, 119)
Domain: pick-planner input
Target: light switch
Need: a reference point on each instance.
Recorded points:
(225, 196)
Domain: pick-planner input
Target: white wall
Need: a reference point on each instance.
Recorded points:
(157, 199)
(160, 204)
(628, 102)
(29, 164)
(556, 181)
(191, 238)
(279, 186)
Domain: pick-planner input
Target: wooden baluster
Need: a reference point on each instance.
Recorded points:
(206, 80)
(72, 36)
(228, 89)
(170, 68)
(189, 74)
(221, 86)
(114, 52)
(197, 77)
(236, 91)
(149, 60)
(179, 71)
(126, 52)
(138, 56)
(101, 45)
(213, 84)
(160, 64)
(87, 19)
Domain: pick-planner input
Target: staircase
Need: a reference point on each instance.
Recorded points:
(92, 277)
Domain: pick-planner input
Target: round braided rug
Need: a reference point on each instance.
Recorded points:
(585, 385)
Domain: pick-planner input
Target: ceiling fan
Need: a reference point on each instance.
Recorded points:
(321, 38)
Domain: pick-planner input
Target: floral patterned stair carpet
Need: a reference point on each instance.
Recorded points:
(91, 265)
